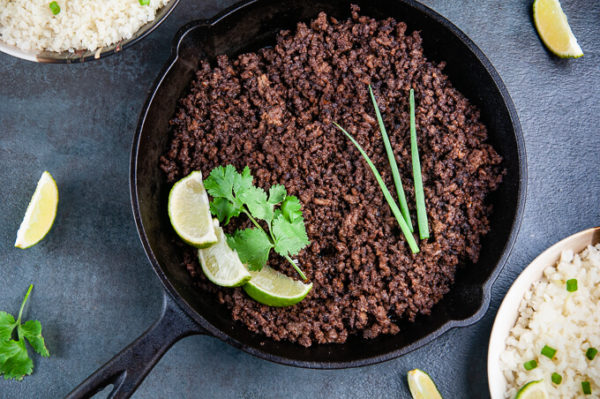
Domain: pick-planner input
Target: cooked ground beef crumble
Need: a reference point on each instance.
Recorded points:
(273, 111)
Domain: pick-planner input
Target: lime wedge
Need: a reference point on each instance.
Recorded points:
(552, 26)
(221, 264)
(273, 288)
(421, 385)
(189, 212)
(40, 213)
(532, 390)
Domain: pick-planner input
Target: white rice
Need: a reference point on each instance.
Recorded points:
(80, 24)
(568, 322)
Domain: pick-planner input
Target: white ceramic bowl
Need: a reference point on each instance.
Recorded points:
(509, 309)
(67, 57)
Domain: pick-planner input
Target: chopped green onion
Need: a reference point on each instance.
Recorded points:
(388, 197)
(54, 7)
(393, 164)
(591, 353)
(548, 352)
(586, 388)
(572, 285)
(530, 365)
(144, 2)
(556, 378)
(418, 180)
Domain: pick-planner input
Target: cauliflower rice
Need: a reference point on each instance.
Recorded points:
(80, 24)
(566, 321)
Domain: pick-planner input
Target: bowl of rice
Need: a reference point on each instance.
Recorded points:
(547, 330)
(66, 31)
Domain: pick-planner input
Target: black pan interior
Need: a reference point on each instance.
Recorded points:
(254, 25)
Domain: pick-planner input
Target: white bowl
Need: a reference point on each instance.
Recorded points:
(67, 57)
(509, 309)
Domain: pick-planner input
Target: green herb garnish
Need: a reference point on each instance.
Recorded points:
(572, 285)
(15, 362)
(233, 194)
(386, 193)
(54, 7)
(556, 378)
(586, 388)
(393, 164)
(418, 179)
(591, 353)
(548, 352)
(144, 2)
(530, 365)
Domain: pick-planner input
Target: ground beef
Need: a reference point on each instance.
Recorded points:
(273, 111)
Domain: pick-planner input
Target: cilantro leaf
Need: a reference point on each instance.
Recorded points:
(225, 184)
(243, 181)
(7, 325)
(233, 193)
(253, 247)
(19, 365)
(290, 237)
(32, 330)
(8, 349)
(224, 210)
(277, 194)
(291, 208)
(255, 199)
(15, 362)
(219, 183)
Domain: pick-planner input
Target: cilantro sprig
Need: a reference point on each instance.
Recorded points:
(234, 194)
(15, 362)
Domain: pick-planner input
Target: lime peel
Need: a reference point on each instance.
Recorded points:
(189, 211)
(421, 385)
(554, 30)
(532, 390)
(273, 288)
(40, 214)
(221, 264)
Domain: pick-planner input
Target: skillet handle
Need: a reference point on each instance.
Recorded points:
(127, 370)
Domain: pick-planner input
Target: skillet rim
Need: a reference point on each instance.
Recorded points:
(369, 360)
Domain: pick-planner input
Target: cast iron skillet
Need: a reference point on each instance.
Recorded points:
(246, 27)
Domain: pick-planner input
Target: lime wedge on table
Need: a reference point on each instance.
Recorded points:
(273, 288)
(221, 264)
(40, 213)
(552, 26)
(189, 212)
(421, 385)
(532, 390)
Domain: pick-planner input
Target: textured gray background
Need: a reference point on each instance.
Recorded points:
(94, 290)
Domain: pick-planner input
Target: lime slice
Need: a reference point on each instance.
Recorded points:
(273, 288)
(40, 213)
(552, 26)
(532, 390)
(421, 385)
(221, 264)
(189, 212)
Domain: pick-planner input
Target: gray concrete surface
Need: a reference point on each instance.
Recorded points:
(94, 290)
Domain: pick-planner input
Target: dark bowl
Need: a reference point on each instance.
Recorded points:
(254, 24)
(66, 57)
